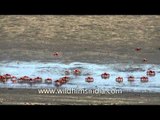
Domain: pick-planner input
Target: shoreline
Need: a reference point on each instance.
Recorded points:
(92, 39)
(56, 71)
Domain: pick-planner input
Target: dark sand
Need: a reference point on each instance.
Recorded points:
(98, 39)
(31, 97)
(93, 39)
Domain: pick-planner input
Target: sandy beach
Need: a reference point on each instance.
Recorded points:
(31, 97)
(98, 39)
(91, 39)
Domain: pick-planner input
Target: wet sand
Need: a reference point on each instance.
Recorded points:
(93, 39)
(96, 39)
(32, 97)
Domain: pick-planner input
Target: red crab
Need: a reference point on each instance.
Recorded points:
(31, 81)
(57, 54)
(62, 81)
(151, 73)
(119, 79)
(76, 72)
(24, 79)
(38, 80)
(89, 79)
(48, 81)
(7, 76)
(131, 78)
(105, 75)
(66, 78)
(2, 79)
(58, 83)
(138, 49)
(144, 79)
(14, 79)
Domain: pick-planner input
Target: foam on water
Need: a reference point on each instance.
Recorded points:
(56, 70)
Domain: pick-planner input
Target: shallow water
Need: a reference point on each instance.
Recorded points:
(56, 70)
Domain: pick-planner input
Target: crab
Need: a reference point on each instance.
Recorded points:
(89, 79)
(138, 49)
(119, 79)
(62, 81)
(2, 79)
(38, 80)
(14, 79)
(58, 83)
(144, 79)
(131, 78)
(48, 81)
(7, 76)
(151, 73)
(76, 72)
(57, 54)
(24, 79)
(105, 75)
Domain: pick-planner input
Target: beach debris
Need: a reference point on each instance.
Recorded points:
(89, 79)
(131, 78)
(67, 72)
(151, 73)
(144, 79)
(1, 101)
(27, 103)
(105, 75)
(87, 73)
(119, 79)
(17, 62)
